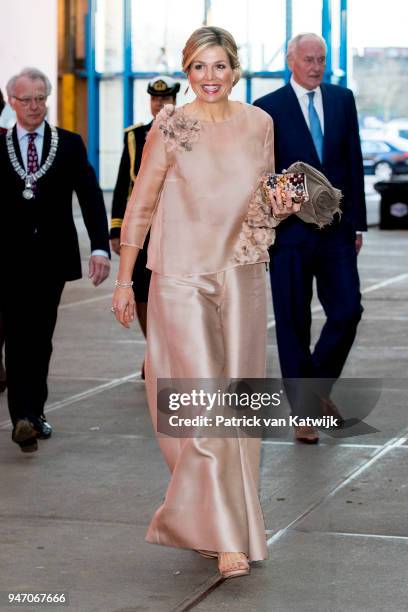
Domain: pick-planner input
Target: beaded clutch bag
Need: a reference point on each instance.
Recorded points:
(293, 182)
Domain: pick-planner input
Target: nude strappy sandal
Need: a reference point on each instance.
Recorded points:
(236, 568)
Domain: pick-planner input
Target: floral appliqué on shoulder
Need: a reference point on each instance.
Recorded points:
(180, 131)
(257, 231)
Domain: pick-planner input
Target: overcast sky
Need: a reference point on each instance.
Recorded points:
(378, 23)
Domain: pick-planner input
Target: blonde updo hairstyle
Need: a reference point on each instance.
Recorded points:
(210, 36)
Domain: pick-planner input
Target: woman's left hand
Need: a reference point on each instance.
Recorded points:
(123, 305)
(283, 203)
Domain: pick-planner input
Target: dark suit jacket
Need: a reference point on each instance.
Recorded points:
(38, 236)
(124, 182)
(342, 160)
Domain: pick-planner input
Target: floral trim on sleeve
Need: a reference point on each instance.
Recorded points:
(180, 131)
(257, 231)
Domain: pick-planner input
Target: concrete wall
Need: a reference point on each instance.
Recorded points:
(29, 38)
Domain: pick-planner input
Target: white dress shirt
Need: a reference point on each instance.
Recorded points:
(301, 94)
(22, 136)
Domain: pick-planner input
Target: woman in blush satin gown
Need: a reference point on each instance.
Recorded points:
(197, 190)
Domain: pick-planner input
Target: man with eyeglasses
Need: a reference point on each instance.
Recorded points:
(40, 168)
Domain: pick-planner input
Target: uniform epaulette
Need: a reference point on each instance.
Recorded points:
(132, 127)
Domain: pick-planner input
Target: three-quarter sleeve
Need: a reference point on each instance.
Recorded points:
(269, 147)
(146, 191)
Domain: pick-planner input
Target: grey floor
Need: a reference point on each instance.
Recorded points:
(73, 515)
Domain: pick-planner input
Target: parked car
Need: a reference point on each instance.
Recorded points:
(384, 156)
(398, 128)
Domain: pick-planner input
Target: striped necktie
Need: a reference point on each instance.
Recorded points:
(315, 127)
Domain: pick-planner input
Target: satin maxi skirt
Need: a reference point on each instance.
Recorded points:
(208, 326)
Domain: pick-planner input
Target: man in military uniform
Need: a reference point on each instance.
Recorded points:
(163, 90)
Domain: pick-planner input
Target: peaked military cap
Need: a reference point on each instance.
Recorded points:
(163, 86)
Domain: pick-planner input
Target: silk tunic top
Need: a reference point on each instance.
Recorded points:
(196, 187)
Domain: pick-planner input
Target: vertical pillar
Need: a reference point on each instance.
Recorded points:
(327, 35)
(67, 90)
(66, 65)
(93, 88)
(343, 42)
(288, 35)
(207, 11)
(248, 89)
(127, 65)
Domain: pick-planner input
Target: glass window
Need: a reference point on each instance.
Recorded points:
(141, 102)
(110, 130)
(374, 146)
(239, 91)
(261, 87)
(306, 16)
(258, 27)
(367, 147)
(160, 29)
(109, 36)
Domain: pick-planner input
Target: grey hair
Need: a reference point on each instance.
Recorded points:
(296, 40)
(31, 73)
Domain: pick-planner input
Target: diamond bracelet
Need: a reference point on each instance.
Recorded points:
(123, 285)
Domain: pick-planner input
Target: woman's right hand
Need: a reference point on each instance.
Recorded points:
(283, 203)
(123, 305)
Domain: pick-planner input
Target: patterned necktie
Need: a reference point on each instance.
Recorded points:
(32, 155)
(315, 127)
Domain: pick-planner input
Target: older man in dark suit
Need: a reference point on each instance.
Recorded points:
(40, 168)
(316, 123)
